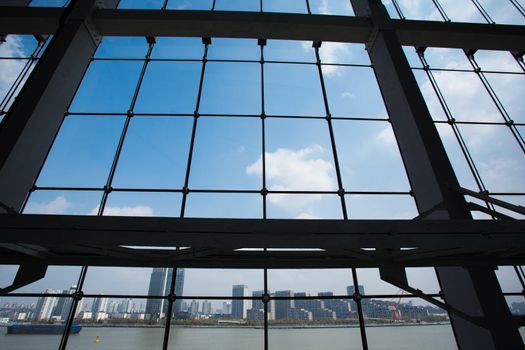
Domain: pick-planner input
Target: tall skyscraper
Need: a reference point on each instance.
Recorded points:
(99, 305)
(159, 284)
(282, 306)
(194, 308)
(45, 306)
(206, 307)
(240, 306)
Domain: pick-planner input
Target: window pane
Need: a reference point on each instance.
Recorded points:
(220, 205)
(236, 5)
(169, 87)
(289, 50)
(163, 204)
(332, 7)
(108, 87)
(294, 6)
(293, 89)
(83, 152)
(122, 47)
(353, 92)
(227, 154)
(63, 202)
(190, 4)
(234, 49)
(141, 4)
(117, 280)
(178, 48)
(155, 153)
(221, 282)
(231, 88)
(381, 207)
(369, 157)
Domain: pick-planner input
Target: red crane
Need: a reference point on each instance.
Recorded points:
(396, 313)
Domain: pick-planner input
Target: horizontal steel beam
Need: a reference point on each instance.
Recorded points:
(215, 242)
(115, 22)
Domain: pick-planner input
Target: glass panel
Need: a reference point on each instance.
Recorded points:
(345, 337)
(353, 92)
(234, 49)
(169, 87)
(503, 13)
(508, 279)
(224, 205)
(155, 153)
(293, 89)
(83, 152)
(226, 154)
(30, 313)
(48, 3)
(231, 88)
(500, 61)
(289, 50)
(499, 159)
(439, 57)
(516, 200)
(115, 324)
(512, 98)
(162, 204)
(218, 329)
(57, 280)
(312, 281)
(424, 279)
(221, 282)
(236, 5)
(373, 284)
(333, 52)
(422, 10)
(516, 305)
(369, 157)
(122, 47)
(430, 325)
(190, 4)
(119, 280)
(299, 156)
(294, 6)
(63, 202)
(433, 103)
(462, 11)
(381, 206)
(304, 206)
(107, 87)
(141, 4)
(178, 48)
(332, 7)
(466, 97)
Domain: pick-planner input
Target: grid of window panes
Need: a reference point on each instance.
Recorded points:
(262, 309)
(242, 128)
(480, 117)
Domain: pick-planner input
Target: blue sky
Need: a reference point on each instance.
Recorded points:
(227, 151)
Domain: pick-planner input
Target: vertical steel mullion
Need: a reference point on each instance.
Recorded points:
(357, 299)
(107, 188)
(73, 309)
(341, 191)
(165, 5)
(261, 6)
(264, 191)
(171, 300)
(308, 7)
(185, 189)
(213, 5)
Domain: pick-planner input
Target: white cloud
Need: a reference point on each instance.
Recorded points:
(307, 216)
(348, 94)
(58, 205)
(10, 68)
(294, 170)
(139, 210)
(387, 138)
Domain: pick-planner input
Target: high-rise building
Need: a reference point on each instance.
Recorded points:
(45, 306)
(100, 304)
(159, 285)
(194, 308)
(226, 308)
(206, 307)
(125, 306)
(283, 305)
(240, 306)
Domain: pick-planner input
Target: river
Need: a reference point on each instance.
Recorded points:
(429, 337)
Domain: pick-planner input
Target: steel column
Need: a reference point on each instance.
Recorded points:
(473, 291)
